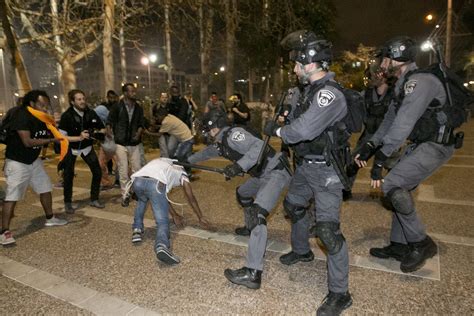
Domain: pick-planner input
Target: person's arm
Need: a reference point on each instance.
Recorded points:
(194, 205)
(177, 219)
(141, 123)
(26, 139)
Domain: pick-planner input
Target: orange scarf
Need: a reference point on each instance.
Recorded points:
(51, 125)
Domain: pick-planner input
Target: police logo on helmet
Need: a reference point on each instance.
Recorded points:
(325, 97)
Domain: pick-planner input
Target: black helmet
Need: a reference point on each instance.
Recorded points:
(214, 118)
(400, 48)
(306, 47)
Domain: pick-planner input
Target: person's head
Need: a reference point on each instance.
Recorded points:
(164, 97)
(214, 121)
(214, 97)
(37, 99)
(129, 91)
(235, 98)
(77, 99)
(397, 53)
(112, 97)
(160, 114)
(311, 53)
(174, 91)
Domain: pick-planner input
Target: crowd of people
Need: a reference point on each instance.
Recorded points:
(401, 133)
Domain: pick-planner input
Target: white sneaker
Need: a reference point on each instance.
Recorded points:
(7, 238)
(54, 221)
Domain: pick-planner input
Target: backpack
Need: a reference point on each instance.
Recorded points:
(461, 97)
(356, 111)
(4, 124)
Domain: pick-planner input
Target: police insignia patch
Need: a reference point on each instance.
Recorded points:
(410, 86)
(238, 136)
(325, 97)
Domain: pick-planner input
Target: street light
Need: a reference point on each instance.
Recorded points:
(429, 17)
(146, 61)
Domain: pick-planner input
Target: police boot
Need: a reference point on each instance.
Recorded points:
(395, 250)
(242, 231)
(419, 252)
(250, 278)
(334, 304)
(346, 195)
(292, 258)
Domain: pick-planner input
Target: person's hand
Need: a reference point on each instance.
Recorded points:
(84, 135)
(377, 169)
(204, 224)
(232, 170)
(179, 221)
(270, 128)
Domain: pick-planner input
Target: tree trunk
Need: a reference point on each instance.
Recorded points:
(18, 64)
(107, 48)
(57, 44)
(251, 77)
(169, 61)
(68, 79)
(206, 14)
(231, 26)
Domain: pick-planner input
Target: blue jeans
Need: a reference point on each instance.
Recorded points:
(146, 190)
(184, 150)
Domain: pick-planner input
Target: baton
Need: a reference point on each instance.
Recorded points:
(199, 167)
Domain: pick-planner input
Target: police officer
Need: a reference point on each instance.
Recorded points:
(417, 95)
(377, 98)
(313, 117)
(257, 196)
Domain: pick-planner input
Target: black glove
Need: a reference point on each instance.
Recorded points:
(379, 160)
(270, 128)
(285, 108)
(367, 151)
(232, 170)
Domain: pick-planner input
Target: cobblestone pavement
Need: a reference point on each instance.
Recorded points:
(90, 265)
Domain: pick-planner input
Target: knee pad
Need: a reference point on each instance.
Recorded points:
(242, 200)
(255, 215)
(401, 200)
(295, 212)
(329, 236)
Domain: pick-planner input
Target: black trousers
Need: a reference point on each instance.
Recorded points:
(93, 162)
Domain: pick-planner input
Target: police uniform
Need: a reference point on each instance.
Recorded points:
(418, 95)
(260, 192)
(315, 178)
(420, 160)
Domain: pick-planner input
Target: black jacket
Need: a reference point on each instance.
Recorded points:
(74, 124)
(178, 106)
(124, 132)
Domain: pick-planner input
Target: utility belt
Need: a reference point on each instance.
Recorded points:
(446, 137)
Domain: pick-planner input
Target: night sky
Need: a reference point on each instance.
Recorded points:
(372, 22)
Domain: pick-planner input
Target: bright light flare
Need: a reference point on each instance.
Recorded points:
(145, 61)
(426, 46)
(153, 58)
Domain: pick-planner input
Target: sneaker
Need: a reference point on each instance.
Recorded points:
(125, 202)
(242, 231)
(418, 254)
(394, 250)
(7, 238)
(292, 258)
(137, 235)
(334, 304)
(166, 256)
(117, 184)
(54, 221)
(70, 208)
(96, 204)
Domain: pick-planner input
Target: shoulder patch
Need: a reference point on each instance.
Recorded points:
(325, 97)
(410, 86)
(238, 136)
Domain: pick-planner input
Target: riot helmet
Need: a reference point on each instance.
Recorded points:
(306, 47)
(400, 48)
(214, 118)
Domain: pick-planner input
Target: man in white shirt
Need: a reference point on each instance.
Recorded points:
(152, 183)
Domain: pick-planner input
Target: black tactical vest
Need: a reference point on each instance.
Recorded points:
(227, 152)
(427, 126)
(318, 144)
(376, 109)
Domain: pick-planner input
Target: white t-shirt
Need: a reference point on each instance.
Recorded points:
(163, 170)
